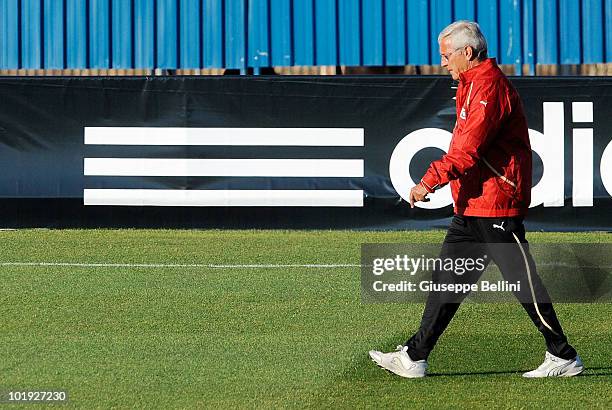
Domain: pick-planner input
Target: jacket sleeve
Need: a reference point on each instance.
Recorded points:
(488, 106)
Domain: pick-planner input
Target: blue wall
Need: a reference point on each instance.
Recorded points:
(172, 34)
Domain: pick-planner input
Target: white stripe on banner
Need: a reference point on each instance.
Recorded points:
(224, 167)
(167, 197)
(347, 137)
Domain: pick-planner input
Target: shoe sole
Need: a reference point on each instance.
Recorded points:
(574, 371)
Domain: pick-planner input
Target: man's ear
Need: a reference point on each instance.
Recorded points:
(469, 53)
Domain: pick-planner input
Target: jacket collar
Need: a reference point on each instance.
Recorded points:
(483, 67)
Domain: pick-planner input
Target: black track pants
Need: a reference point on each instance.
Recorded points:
(473, 236)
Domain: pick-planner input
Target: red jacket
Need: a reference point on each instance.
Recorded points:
(488, 163)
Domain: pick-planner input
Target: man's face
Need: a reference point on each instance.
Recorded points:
(453, 59)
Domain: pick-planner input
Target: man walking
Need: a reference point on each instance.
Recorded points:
(488, 165)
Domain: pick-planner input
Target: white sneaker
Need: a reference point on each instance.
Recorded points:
(554, 366)
(400, 363)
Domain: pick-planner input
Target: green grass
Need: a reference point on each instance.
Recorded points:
(294, 337)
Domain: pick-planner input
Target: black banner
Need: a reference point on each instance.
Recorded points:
(269, 152)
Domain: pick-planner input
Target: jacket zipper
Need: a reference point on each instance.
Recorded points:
(467, 105)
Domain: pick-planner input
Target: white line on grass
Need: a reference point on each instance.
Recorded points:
(238, 266)
(178, 265)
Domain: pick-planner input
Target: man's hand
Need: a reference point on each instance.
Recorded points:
(418, 193)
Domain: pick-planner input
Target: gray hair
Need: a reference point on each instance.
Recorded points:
(465, 33)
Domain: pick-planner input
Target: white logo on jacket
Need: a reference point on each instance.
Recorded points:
(463, 115)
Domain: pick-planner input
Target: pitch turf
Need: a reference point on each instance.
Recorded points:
(166, 337)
